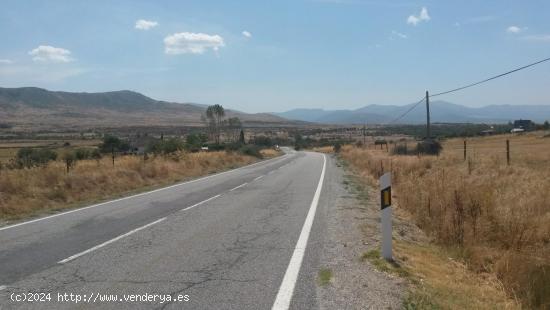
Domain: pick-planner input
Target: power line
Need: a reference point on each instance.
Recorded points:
(468, 86)
(407, 112)
(489, 79)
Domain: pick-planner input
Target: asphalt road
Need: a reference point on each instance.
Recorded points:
(244, 239)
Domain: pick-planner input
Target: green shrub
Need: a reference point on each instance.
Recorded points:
(401, 149)
(251, 150)
(337, 147)
(194, 142)
(165, 147)
(112, 143)
(262, 141)
(29, 157)
(429, 147)
(82, 153)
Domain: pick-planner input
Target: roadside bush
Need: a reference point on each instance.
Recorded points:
(251, 150)
(82, 153)
(169, 146)
(70, 158)
(401, 149)
(29, 157)
(216, 147)
(262, 141)
(337, 147)
(233, 147)
(112, 143)
(429, 147)
(194, 142)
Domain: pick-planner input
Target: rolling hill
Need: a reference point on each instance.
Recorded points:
(31, 108)
(441, 111)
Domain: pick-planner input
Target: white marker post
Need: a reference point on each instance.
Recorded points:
(385, 205)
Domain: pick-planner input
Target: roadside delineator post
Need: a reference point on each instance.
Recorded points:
(385, 205)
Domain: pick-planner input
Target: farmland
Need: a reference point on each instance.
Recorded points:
(491, 216)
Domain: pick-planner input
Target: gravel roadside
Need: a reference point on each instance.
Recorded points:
(352, 230)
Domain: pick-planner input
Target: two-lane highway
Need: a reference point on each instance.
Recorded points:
(243, 239)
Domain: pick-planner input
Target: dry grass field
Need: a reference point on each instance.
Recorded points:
(492, 217)
(270, 153)
(25, 192)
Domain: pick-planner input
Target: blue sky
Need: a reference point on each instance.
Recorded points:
(278, 55)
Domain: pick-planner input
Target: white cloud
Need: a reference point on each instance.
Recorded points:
(50, 54)
(538, 37)
(422, 17)
(247, 34)
(191, 43)
(399, 34)
(143, 24)
(515, 29)
(6, 61)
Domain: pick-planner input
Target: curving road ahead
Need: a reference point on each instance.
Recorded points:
(243, 239)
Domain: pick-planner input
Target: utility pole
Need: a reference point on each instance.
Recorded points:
(364, 134)
(428, 129)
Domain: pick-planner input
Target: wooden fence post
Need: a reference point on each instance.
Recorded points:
(464, 149)
(508, 152)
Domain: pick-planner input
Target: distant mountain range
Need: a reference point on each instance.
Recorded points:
(36, 109)
(39, 109)
(440, 111)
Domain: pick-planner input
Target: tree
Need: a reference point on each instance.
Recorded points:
(298, 142)
(241, 137)
(29, 157)
(234, 125)
(69, 158)
(546, 125)
(214, 115)
(113, 144)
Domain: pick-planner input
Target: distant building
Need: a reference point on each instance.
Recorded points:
(524, 124)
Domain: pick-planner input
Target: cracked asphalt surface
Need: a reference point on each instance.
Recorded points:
(230, 252)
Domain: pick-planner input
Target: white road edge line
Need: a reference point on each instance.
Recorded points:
(200, 203)
(3, 287)
(284, 296)
(138, 195)
(68, 259)
(256, 179)
(234, 188)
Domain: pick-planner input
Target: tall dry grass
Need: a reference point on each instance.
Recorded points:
(497, 217)
(27, 191)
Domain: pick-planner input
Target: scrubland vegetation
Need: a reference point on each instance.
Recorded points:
(49, 187)
(492, 217)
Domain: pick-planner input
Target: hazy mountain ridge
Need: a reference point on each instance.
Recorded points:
(440, 111)
(37, 108)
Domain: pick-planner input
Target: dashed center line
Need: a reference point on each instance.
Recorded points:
(256, 179)
(68, 259)
(200, 203)
(234, 188)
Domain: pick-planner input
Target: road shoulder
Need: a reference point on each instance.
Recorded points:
(345, 280)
